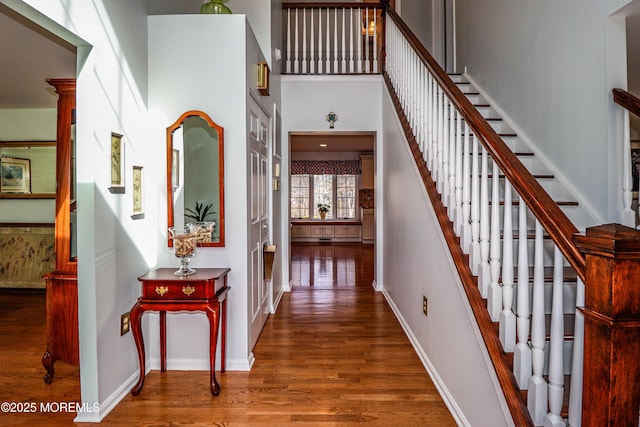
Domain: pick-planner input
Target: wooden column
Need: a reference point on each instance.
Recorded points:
(611, 385)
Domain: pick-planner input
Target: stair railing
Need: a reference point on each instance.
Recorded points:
(630, 105)
(492, 200)
(333, 38)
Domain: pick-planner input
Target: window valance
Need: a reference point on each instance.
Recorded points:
(326, 167)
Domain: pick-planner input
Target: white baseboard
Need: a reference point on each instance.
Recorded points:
(110, 402)
(186, 364)
(448, 399)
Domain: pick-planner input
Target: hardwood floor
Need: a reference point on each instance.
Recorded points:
(22, 344)
(331, 356)
(332, 266)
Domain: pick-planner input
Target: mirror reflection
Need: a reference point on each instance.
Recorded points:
(28, 169)
(195, 176)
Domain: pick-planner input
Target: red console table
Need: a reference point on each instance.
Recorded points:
(162, 291)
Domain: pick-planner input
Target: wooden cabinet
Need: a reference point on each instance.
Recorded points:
(368, 172)
(62, 284)
(366, 199)
(368, 226)
(313, 232)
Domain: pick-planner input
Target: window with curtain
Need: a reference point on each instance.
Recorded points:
(324, 181)
(337, 191)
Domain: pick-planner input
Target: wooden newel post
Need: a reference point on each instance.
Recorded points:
(611, 384)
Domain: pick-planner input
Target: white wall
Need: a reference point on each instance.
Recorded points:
(182, 78)
(545, 64)
(417, 263)
(113, 249)
(422, 17)
(306, 101)
(28, 125)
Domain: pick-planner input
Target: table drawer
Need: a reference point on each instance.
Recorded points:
(173, 291)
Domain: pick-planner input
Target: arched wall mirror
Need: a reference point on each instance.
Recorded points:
(195, 176)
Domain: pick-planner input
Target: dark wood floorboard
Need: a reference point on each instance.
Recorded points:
(331, 356)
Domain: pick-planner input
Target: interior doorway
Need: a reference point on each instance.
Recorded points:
(332, 199)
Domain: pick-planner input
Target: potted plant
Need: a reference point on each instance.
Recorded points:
(200, 216)
(323, 208)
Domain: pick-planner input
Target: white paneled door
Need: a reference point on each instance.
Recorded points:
(259, 216)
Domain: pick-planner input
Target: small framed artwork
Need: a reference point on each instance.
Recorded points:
(175, 168)
(15, 175)
(117, 161)
(138, 205)
(635, 167)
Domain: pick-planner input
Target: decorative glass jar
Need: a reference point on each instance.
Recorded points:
(215, 6)
(185, 244)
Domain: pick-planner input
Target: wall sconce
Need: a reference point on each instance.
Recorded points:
(263, 78)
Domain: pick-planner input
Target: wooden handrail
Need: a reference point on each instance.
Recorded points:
(293, 5)
(627, 101)
(544, 208)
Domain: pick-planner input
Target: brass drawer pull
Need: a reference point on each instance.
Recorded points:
(188, 290)
(161, 290)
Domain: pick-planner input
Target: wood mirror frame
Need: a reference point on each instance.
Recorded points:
(180, 168)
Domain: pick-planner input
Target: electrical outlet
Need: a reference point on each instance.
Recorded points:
(425, 305)
(125, 324)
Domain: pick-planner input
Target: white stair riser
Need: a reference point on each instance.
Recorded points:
(568, 297)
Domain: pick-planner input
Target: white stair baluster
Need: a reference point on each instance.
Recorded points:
(327, 64)
(336, 69)
(432, 121)
(474, 248)
(312, 47)
(537, 395)
(494, 297)
(457, 194)
(351, 47)
(375, 40)
(628, 216)
(422, 95)
(522, 354)
(443, 179)
(304, 41)
(320, 41)
(507, 317)
(441, 134)
(451, 176)
(296, 63)
(360, 41)
(367, 64)
(465, 227)
(438, 142)
(343, 62)
(556, 344)
(577, 362)
(484, 268)
(288, 63)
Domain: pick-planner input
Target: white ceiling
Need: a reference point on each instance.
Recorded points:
(29, 55)
(334, 142)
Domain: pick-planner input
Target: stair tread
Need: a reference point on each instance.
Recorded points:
(558, 202)
(535, 175)
(568, 275)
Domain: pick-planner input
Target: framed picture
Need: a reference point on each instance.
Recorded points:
(117, 160)
(635, 167)
(15, 175)
(138, 206)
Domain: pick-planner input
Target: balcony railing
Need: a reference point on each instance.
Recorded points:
(333, 38)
